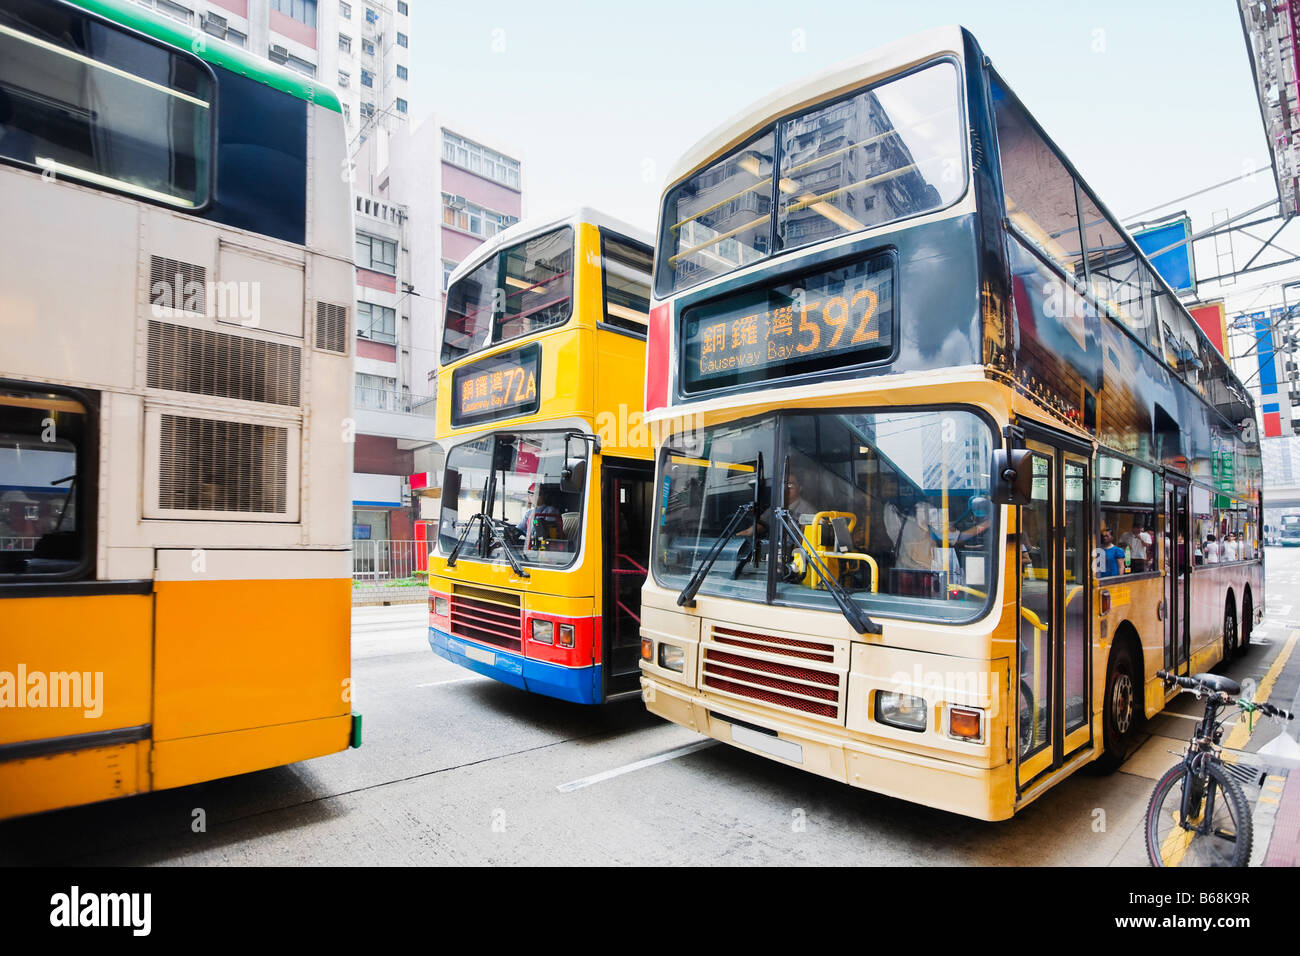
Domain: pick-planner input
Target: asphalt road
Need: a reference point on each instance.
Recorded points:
(457, 769)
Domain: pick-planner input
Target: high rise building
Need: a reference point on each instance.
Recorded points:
(467, 189)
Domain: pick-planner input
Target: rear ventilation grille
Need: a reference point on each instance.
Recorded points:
(227, 366)
(331, 327)
(209, 465)
(178, 285)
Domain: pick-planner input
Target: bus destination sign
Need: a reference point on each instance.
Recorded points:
(500, 386)
(831, 319)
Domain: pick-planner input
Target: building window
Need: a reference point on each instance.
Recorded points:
(347, 114)
(447, 269)
(367, 111)
(367, 78)
(345, 43)
(371, 16)
(304, 11)
(278, 54)
(378, 255)
(235, 37)
(345, 78)
(466, 216)
(173, 10)
(401, 39)
(479, 159)
(376, 391)
(367, 47)
(401, 8)
(378, 323)
(401, 105)
(401, 72)
(345, 11)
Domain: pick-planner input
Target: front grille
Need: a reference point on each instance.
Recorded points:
(488, 616)
(774, 670)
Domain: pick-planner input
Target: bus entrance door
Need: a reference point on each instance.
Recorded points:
(625, 493)
(1178, 563)
(1053, 707)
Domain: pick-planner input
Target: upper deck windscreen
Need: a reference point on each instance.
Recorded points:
(516, 291)
(885, 153)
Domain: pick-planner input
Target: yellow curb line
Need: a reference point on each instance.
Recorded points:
(1241, 732)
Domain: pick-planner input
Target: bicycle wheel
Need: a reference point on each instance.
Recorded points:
(1173, 840)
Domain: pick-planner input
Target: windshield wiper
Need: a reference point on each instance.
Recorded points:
(460, 542)
(687, 597)
(852, 613)
(498, 537)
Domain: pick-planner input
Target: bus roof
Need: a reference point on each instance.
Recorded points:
(841, 78)
(213, 50)
(527, 228)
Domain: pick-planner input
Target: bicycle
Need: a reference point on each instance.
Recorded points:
(1198, 814)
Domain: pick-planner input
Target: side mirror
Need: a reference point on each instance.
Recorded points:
(574, 477)
(1013, 477)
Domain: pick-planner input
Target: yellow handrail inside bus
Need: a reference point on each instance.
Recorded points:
(816, 549)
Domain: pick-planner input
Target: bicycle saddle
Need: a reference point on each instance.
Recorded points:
(1217, 682)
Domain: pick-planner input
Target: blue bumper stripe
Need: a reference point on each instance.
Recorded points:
(578, 684)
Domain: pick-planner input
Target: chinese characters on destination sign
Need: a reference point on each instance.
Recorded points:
(496, 387)
(836, 318)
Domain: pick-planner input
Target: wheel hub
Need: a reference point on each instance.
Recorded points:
(1122, 703)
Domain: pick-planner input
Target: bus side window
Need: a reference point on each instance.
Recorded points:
(43, 493)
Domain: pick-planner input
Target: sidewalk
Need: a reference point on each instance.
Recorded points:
(1281, 842)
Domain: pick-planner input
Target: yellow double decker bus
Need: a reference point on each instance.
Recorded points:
(961, 468)
(545, 507)
(175, 280)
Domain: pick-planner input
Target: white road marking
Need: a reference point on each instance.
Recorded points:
(451, 680)
(640, 764)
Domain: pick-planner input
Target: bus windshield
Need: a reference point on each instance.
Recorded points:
(894, 504)
(530, 485)
(518, 290)
(885, 153)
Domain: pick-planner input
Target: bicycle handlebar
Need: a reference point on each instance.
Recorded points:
(1189, 683)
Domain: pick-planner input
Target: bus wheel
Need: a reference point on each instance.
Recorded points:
(1247, 624)
(1229, 631)
(1122, 709)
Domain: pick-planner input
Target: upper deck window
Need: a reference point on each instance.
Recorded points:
(85, 100)
(518, 290)
(885, 153)
(625, 270)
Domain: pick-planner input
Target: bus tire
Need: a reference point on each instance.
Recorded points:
(1229, 630)
(1121, 708)
(1247, 624)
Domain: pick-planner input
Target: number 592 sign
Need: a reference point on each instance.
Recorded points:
(832, 319)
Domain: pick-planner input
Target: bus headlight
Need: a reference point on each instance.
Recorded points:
(566, 635)
(672, 657)
(543, 631)
(900, 710)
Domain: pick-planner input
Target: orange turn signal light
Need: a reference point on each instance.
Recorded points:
(647, 649)
(964, 723)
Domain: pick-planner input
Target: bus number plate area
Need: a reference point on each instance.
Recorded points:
(834, 318)
(480, 655)
(772, 746)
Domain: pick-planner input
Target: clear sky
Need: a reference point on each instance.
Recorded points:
(1150, 99)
